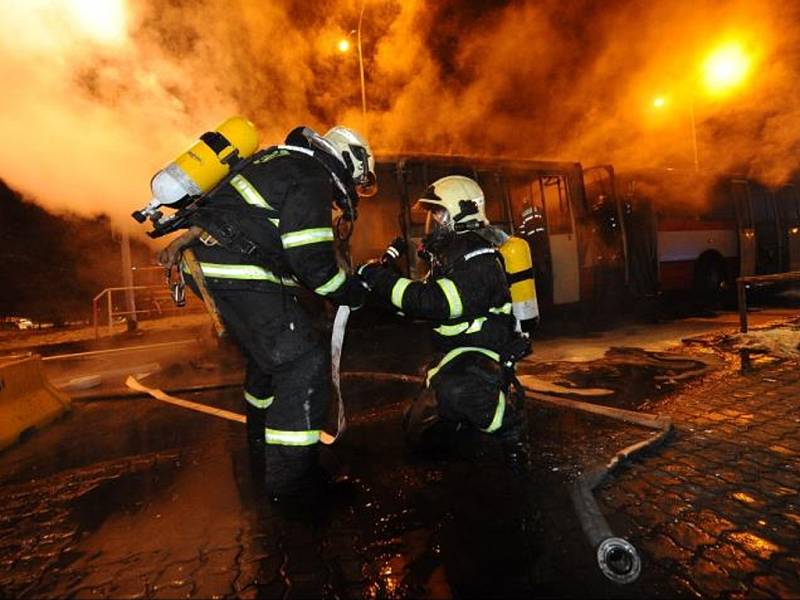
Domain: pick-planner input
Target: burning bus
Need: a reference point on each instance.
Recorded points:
(575, 240)
(695, 231)
(597, 236)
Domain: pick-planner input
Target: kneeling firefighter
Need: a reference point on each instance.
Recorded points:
(477, 335)
(260, 237)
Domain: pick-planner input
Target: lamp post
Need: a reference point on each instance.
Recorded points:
(344, 47)
(723, 70)
(361, 70)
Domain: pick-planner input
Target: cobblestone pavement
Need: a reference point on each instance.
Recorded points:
(133, 498)
(716, 510)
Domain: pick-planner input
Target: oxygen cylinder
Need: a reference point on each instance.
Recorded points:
(519, 273)
(203, 166)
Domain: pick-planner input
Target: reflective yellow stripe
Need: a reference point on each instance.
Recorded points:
(291, 438)
(458, 352)
(246, 272)
(399, 290)
(248, 192)
(258, 402)
(459, 328)
(501, 310)
(453, 298)
(333, 284)
(498, 414)
(275, 222)
(307, 236)
(270, 156)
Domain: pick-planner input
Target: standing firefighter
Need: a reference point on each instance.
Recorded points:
(260, 237)
(467, 294)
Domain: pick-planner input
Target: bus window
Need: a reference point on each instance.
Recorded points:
(556, 202)
(494, 191)
(527, 204)
(788, 205)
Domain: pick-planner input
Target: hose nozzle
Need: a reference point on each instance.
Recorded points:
(618, 560)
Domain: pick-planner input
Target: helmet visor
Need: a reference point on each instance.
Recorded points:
(367, 186)
(438, 218)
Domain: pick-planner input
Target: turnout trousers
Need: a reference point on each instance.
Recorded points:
(466, 387)
(286, 387)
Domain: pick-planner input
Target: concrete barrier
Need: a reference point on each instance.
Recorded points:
(27, 399)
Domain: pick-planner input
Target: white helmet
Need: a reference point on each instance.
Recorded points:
(354, 151)
(456, 203)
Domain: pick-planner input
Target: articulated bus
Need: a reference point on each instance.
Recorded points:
(698, 232)
(597, 237)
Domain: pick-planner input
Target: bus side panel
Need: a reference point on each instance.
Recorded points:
(564, 253)
(678, 251)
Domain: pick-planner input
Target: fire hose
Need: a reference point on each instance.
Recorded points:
(617, 558)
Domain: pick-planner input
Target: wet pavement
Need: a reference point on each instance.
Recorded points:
(134, 498)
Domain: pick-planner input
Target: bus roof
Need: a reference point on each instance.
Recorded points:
(521, 164)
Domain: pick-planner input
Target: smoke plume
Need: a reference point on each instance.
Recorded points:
(97, 96)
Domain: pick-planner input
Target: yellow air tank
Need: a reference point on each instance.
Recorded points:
(206, 163)
(519, 272)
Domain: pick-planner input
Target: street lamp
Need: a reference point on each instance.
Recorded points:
(662, 102)
(724, 69)
(344, 46)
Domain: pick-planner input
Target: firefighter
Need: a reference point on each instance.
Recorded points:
(261, 239)
(476, 336)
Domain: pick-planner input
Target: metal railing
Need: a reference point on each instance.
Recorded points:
(741, 290)
(158, 302)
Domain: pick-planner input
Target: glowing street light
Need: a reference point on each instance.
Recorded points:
(343, 46)
(660, 102)
(725, 68)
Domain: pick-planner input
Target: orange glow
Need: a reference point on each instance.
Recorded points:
(726, 67)
(343, 45)
(103, 21)
(659, 102)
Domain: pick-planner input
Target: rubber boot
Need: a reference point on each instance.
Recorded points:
(420, 417)
(513, 437)
(256, 443)
(291, 471)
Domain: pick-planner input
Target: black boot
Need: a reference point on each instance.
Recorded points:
(513, 437)
(420, 417)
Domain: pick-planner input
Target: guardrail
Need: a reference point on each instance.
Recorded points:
(27, 399)
(741, 290)
(159, 302)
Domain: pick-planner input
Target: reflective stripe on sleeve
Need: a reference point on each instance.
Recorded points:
(245, 272)
(258, 402)
(458, 352)
(303, 237)
(498, 414)
(291, 438)
(501, 310)
(249, 193)
(333, 284)
(459, 328)
(399, 290)
(453, 298)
